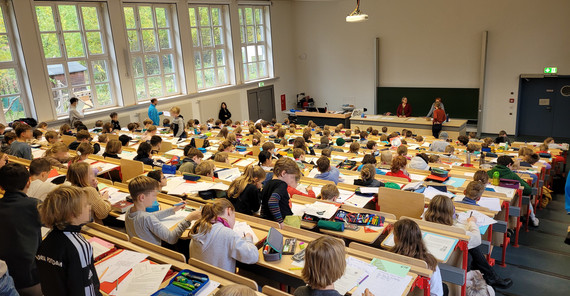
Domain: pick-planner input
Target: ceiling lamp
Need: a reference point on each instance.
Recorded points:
(356, 16)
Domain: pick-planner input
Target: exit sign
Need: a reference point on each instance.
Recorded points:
(261, 84)
(550, 70)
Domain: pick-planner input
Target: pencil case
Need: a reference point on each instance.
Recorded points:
(273, 246)
(186, 282)
(330, 225)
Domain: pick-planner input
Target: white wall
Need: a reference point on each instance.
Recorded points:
(434, 43)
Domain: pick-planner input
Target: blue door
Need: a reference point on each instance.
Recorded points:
(544, 107)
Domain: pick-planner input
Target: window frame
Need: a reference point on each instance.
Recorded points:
(267, 43)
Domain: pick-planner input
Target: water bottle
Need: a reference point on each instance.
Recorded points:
(496, 180)
(154, 208)
(481, 159)
(468, 158)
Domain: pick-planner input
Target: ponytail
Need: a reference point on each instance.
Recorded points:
(210, 213)
(368, 172)
(82, 149)
(55, 148)
(251, 174)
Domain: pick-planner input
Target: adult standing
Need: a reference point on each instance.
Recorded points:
(437, 100)
(404, 109)
(74, 115)
(224, 114)
(438, 119)
(153, 114)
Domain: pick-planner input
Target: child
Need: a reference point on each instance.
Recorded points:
(329, 192)
(20, 147)
(83, 151)
(205, 168)
(37, 136)
(20, 231)
(84, 137)
(132, 127)
(226, 146)
(439, 145)
(113, 148)
(178, 124)
(74, 115)
(65, 129)
(265, 160)
(420, 162)
(65, 210)
(408, 242)
(214, 241)
(143, 154)
(39, 172)
(367, 175)
(441, 210)
(149, 133)
(9, 138)
(147, 226)
(438, 119)
(244, 192)
(98, 126)
(155, 142)
(402, 150)
(222, 157)
(159, 177)
(270, 147)
(115, 121)
(57, 155)
(326, 171)
(325, 262)
(274, 197)
(299, 156)
(398, 168)
(166, 122)
(107, 128)
(51, 138)
(354, 147)
(147, 123)
(41, 126)
(193, 158)
(2, 130)
(503, 138)
(81, 175)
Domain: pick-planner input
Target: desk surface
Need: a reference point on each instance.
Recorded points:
(409, 120)
(318, 114)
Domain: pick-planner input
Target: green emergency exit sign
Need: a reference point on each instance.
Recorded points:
(550, 70)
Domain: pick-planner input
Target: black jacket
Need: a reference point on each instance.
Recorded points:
(75, 144)
(144, 159)
(248, 201)
(20, 236)
(65, 263)
(278, 187)
(116, 125)
(224, 115)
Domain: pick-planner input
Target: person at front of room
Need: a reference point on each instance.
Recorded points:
(438, 119)
(224, 114)
(153, 114)
(404, 109)
(432, 109)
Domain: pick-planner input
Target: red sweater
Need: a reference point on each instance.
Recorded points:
(291, 191)
(406, 111)
(438, 116)
(399, 174)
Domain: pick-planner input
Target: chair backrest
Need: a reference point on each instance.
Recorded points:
(158, 249)
(112, 137)
(267, 290)
(255, 150)
(109, 231)
(165, 146)
(67, 139)
(199, 142)
(131, 168)
(223, 273)
(401, 203)
(105, 181)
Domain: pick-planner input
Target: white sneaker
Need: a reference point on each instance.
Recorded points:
(534, 221)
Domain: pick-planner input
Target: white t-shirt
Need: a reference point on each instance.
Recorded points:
(40, 189)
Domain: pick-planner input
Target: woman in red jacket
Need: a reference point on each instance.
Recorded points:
(438, 119)
(404, 109)
(398, 168)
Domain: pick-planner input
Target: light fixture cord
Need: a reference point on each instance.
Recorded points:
(357, 9)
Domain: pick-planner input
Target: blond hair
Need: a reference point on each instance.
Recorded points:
(251, 175)
(235, 290)
(113, 147)
(325, 262)
(210, 212)
(56, 148)
(77, 174)
(329, 192)
(141, 185)
(205, 168)
(440, 210)
(61, 205)
(221, 157)
(175, 110)
(288, 166)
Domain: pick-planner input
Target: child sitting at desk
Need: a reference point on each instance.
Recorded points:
(398, 168)
(325, 262)
(215, 242)
(83, 137)
(206, 168)
(275, 203)
(244, 192)
(81, 174)
(408, 242)
(473, 193)
(57, 155)
(65, 210)
(147, 226)
(113, 149)
(65, 129)
(191, 161)
(151, 131)
(354, 147)
(326, 171)
(51, 137)
(39, 172)
(329, 192)
(367, 177)
(143, 154)
(441, 210)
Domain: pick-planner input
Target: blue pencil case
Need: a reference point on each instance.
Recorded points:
(185, 283)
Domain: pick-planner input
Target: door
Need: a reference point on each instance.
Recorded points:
(261, 103)
(544, 105)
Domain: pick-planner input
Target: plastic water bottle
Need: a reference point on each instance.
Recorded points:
(496, 180)
(154, 208)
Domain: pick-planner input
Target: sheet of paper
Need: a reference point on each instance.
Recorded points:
(491, 203)
(298, 209)
(430, 192)
(344, 195)
(348, 280)
(321, 209)
(482, 219)
(118, 265)
(358, 200)
(469, 174)
(313, 173)
(220, 186)
(389, 240)
(455, 182)
(99, 246)
(188, 188)
(359, 264)
(357, 159)
(245, 162)
(369, 189)
(229, 174)
(105, 167)
(417, 177)
(339, 157)
(172, 183)
(117, 197)
(349, 179)
(172, 220)
(144, 280)
(242, 228)
(412, 186)
(209, 288)
(175, 152)
(439, 246)
(37, 153)
(391, 267)
(166, 113)
(509, 192)
(384, 283)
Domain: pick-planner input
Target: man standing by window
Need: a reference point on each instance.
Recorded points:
(153, 114)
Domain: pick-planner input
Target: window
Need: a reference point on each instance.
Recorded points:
(10, 78)
(255, 42)
(151, 47)
(77, 54)
(210, 43)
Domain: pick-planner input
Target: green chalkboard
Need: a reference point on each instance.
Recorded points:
(459, 102)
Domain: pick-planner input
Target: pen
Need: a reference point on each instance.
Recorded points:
(471, 214)
(363, 280)
(102, 274)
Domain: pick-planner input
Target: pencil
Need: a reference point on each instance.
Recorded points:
(471, 214)
(102, 274)
(296, 268)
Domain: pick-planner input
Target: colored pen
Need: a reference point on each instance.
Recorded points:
(102, 274)
(471, 214)
(363, 280)
(296, 268)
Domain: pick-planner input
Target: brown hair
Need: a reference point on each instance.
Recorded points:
(56, 148)
(368, 172)
(354, 147)
(142, 185)
(286, 165)
(77, 174)
(472, 147)
(223, 133)
(402, 150)
(524, 151)
(205, 168)
(398, 163)
(224, 145)
(419, 139)
(325, 262)
(268, 146)
(221, 157)
(408, 242)
(147, 121)
(386, 157)
(64, 128)
(113, 147)
(82, 135)
(323, 164)
(210, 212)
(329, 192)
(82, 149)
(235, 290)
(440, 210)
(474, 190)
(449, 149)
(51, 135)
(481, 176)
(61, 205)
(251, 175)
(194, 152)
(326, 152)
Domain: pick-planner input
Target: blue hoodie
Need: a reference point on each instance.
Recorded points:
(331, 175)
(153, 114)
